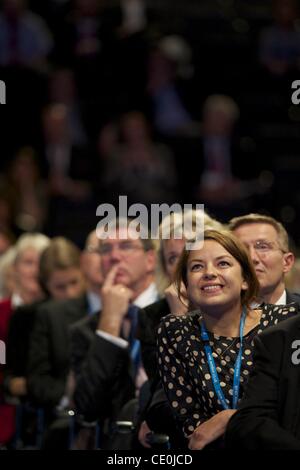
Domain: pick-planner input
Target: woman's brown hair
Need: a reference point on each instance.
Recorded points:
(237, 249)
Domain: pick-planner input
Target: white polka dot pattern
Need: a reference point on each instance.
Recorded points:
(184, 369)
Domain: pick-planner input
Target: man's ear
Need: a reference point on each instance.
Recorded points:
(288, 262)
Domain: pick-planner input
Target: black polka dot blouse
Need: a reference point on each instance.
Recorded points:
(184, 369)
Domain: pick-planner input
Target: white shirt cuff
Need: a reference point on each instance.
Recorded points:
(122, 343)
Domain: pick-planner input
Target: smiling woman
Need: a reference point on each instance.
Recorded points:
(205, 357)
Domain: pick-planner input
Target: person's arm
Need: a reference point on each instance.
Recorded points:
(210, 430)
(102, 376)
(45, 388)
(146, 334)
(15, 383)
(256, 423)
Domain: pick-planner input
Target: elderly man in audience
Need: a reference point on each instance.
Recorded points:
(105, 354)
(268, 243)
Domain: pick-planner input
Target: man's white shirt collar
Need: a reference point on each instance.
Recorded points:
(147, 297)
(282, 299)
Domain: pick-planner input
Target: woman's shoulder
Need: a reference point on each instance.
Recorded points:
(179, 323)
(280, 309)
(273, 314)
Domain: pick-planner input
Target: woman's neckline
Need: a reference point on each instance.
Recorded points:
(249, 329)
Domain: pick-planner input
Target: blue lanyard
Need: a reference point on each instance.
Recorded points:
(237, 366)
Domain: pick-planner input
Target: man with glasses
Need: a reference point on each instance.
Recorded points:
(105, 353)
(267, 241)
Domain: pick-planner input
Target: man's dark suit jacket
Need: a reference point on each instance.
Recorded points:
(269, 414)
(18, 340)
(49, 355)
(291, 298)
(149, 319)
(103, 372)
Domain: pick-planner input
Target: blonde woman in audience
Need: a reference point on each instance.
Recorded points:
(24, 291)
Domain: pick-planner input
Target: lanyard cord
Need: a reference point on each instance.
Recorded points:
(237, 367)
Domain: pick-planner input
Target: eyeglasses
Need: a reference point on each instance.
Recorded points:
(92, 249)
(125, 247)
(264, 246)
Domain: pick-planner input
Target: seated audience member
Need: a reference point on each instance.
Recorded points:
(26, 290)
(205, 357)
(68, 167)
(279, 47)
(268, 245)
(268, 415)
(174, 228)
(63, 90)
(49, 354)
(168, 255)
(25, 39)
(61, 278)
(105, 353)
(27, 191)
(139, 167)
(218, 186)
(26, 269)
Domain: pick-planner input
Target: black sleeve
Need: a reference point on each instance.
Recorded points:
(256, 423)
(176, 381)
(146, 334)
(45, 387)
(14, 357)
(20, 328)
(102, 375)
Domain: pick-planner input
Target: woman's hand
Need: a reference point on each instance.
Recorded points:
(175, 304)
(210, 430)
(142, 435)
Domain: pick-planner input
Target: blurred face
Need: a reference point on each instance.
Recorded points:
(24, 169)
(214, 278)
(134, 263)
(172, 250)
(269, 260)
(217, 122)
(26, 272)
(56, 127)
(66, 284)
(134, 128)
